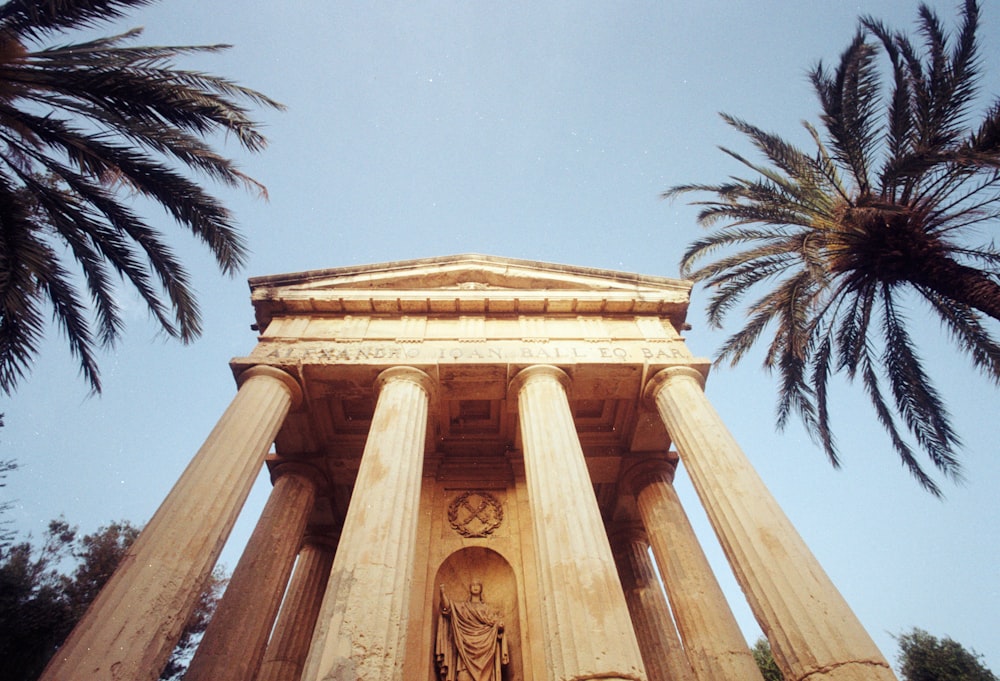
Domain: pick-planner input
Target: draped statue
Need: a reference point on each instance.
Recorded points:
(470, 644)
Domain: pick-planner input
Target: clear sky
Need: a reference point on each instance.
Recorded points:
(533, 130)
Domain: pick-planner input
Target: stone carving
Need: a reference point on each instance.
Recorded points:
(470, 643)
(475, 514)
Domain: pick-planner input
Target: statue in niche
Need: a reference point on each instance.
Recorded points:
(470, 644)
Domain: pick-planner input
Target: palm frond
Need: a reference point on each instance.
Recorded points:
(816, 249)
(883, 412)
(773, 247)
(33, 19)
(900, 128)
(849, 97)
(30, 271)
(986, 138)
(951, 77)
(729, 291)
(185, 200)
(965, 327)
(90, 260)
(916, 399)
(827, 167)
(789, 351)
(788, 159)
(81, 125)
(738, 344)
(851, 333)
(821, 361)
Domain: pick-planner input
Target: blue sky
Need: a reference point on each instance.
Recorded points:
(534, 130)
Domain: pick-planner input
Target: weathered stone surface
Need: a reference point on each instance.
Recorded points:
(473, 464)
(134, 624)
(812, 631)
(361, 630)
(233, 644)
(712, 639)
(655, 630)
(289, 644)
(586, 625)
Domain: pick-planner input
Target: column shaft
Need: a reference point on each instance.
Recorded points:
(654, 626)
(586, 626)
(812, 630)
(286, 653)
(712, 638)
(133, 625)
(234, 642)
(360, 635)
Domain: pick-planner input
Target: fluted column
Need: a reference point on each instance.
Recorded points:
(586, 626)
(812, 631)
(654, 626)
(133, 625)
(289, 645)
(234, 641)
(712, 638)
(361, 631)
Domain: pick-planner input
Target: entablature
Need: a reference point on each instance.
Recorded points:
(468, 284)
(471, 323)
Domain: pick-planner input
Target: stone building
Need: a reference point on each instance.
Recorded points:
(472, 470)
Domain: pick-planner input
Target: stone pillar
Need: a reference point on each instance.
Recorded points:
(234, 641)
(286, 653)
(712, 638)
(654, 626)
(133, 625)
(361, 632)
(812, 631)
(586, 626)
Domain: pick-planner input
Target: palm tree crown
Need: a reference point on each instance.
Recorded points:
(889, 209)
(83, 128)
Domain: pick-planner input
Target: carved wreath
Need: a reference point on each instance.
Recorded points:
(475, 514)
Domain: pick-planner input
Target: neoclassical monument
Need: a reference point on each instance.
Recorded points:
(472, 468)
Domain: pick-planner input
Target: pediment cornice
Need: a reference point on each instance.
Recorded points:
(467, 284)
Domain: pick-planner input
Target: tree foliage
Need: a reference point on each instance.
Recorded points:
(85, 129)
(923, 657)
(6, 533)
(829, 250)
(765, 660)
(44, 591)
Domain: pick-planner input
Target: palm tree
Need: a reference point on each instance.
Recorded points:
(84, 129)
(890, 210)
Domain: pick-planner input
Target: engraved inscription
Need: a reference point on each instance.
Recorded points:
(496, 351)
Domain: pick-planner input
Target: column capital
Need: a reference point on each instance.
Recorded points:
(405, 373)
(665, 376)
(326, 536)
(652, 469)
(302, 469)
(289, 381)
(535, 372)
(620, 533)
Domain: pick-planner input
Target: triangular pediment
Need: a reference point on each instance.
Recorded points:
(466, 272)
(467, 284)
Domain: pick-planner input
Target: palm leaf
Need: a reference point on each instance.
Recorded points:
(849, 97)
(83, 126)
(917, 401)
(815, 250)
(34, 19)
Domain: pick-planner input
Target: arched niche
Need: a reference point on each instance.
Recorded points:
(489, 568)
